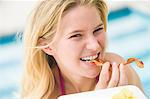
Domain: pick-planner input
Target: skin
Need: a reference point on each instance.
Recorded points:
(81, 33)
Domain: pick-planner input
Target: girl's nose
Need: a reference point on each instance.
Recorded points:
(92, 43)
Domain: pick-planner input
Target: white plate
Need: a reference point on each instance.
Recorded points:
(105, 93)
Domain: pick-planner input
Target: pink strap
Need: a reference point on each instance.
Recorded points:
(62, 86)
(97, 79)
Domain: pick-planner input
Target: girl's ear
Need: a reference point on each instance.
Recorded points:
(45, 46)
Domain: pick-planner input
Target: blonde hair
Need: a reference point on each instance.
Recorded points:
(38, 81)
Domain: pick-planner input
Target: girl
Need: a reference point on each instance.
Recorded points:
(61, 40)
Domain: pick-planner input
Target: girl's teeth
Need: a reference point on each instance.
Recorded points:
(89, 58)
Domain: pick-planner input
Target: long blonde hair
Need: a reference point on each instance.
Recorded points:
(38, 81)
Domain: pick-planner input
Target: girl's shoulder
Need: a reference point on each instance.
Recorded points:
(113, 57)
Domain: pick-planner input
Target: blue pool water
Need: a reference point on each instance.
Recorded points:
(128, 35)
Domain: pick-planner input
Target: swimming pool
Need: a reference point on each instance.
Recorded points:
(128, 35)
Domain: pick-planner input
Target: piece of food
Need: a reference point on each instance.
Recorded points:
(124, 94)
(99, 62)
(138, 62)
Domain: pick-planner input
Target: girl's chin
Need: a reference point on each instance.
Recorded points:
(91, 69)
(88, 64)
(92, 74)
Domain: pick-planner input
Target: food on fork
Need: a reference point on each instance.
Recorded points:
(138, 62)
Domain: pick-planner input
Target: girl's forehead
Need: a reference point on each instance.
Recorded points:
(79, 12)
(80, 17)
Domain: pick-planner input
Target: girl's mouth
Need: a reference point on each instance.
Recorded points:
(90, 58)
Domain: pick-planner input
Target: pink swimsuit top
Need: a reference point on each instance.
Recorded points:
(62, 86)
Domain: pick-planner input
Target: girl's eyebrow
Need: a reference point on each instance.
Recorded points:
(98, 25)
(75, 31)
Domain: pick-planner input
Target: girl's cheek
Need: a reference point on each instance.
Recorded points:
(102, 39)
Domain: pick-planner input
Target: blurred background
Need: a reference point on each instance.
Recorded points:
(128, 35)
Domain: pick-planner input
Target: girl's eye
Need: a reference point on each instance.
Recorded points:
(75, 36)
(99, 30)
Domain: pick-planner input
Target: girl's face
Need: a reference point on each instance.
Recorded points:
(80, 38)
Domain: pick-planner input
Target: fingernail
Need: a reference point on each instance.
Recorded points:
(121, 66)
(114, 63)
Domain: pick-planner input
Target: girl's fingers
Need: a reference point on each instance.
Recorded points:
(114, 76)
(123, 77)
(104, 76)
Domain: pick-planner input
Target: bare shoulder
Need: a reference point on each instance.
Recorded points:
(113, 57)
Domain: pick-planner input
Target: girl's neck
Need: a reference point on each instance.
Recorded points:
(79, 84)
